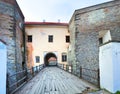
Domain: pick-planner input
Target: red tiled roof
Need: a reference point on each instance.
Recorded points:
(46, 23)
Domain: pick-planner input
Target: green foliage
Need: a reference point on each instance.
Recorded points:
(118, 92)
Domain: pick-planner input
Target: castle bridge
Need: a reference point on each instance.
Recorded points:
(54, 80)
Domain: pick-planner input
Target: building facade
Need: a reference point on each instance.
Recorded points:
(47, 42)
(91, 40)
(95, 42)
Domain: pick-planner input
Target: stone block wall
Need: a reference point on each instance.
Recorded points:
(6, 33)
(71, 49)
(99, 17)
(12, 33)
(87, 51)
(115, 33)
(87, 24)
(8, 1)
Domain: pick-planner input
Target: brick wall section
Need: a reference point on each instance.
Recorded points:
(87, 23)
(12, 34)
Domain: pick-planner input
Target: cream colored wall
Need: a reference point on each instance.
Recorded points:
(105, 34)
(41, 44)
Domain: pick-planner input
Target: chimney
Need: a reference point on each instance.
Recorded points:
(43, 20)
(58, 20)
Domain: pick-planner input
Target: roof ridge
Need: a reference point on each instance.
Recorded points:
(46, 23)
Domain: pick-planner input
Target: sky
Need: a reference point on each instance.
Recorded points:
(53, 10)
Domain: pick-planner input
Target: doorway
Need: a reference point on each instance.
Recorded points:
(50, 59)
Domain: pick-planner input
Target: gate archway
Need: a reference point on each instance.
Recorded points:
(50, 59)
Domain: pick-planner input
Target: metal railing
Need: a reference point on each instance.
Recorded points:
(17, 80)
(89, 75)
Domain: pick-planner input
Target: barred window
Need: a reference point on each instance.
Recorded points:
(37, 59)
(67, 39)
(64, 57)
(50, 38)
(29, 38)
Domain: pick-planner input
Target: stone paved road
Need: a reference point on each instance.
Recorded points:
(53, 80)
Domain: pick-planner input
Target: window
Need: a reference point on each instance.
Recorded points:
(29, 38)
(50, 38)
(100, 41)
(67, 39)
(64, 57)
(37, 59)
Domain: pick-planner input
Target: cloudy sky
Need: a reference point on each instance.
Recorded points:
(52, 10)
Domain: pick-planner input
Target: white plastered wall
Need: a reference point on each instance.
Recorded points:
(109, 60)
(3, 70)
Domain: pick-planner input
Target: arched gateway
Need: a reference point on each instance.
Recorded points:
(50, 59)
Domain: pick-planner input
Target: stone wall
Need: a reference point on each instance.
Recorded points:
(98, 17)
(87, 24)
(115, 33)
(6, 33)
(71, 54)
(71, 49)
(87, 51)
(8, 1)
(12, 32)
